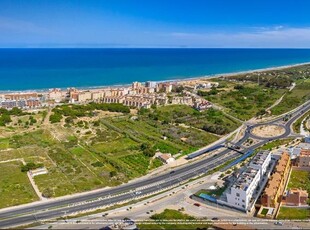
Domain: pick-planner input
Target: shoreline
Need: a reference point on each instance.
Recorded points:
(205, 77)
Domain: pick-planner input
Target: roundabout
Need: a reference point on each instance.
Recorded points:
(267, 131)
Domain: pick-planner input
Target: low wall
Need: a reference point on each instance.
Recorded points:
(301, 168)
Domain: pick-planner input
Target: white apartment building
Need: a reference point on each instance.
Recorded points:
(242, 191)
(97, 96)
(151, 84)
(55, 94)
(182, 101)
(261, 161)
(84, 96)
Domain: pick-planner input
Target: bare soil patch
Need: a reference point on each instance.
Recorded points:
(268, 131)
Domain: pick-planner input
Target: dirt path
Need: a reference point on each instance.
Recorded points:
(281, 98)
(47, 118)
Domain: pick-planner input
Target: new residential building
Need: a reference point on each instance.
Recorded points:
(272, 194)
(261, 161)
(241, 192)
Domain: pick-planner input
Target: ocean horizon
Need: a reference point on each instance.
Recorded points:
(40, 69)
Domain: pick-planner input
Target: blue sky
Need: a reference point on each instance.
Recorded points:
(155, 23)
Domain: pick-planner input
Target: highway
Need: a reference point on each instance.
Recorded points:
(45, 210)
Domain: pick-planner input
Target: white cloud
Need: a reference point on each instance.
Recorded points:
(278, 37)
(19, 26)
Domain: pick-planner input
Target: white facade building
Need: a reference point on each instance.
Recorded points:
(261, 161)
(242, 191)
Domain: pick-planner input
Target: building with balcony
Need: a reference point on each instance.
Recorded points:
(272, 194)
(261, 161)
(243, 192)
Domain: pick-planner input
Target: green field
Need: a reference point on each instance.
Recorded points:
(211, 120)
(245, 100)
(110, 153)
(146, 130)
(300, 179)
(294, 213)
(299, 95)
(15, 187)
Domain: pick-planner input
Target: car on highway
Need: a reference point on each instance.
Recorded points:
(215, 218)
(172, 172)
(138, 192)
(278, 223)
(197, 204)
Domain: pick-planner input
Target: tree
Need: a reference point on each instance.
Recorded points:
(56, 117)
(4, 119)
(47, 193)
(239, 87)
(261, 112)
(113, 173)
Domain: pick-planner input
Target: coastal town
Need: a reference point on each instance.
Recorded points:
(154, 115)
(138, 96)
(66, 141)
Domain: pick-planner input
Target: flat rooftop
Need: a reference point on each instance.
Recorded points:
(259, 158)
(245, 179)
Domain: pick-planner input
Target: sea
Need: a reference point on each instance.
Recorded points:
(40, 69)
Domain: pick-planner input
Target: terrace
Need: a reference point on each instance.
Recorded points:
(245, 179)
(260, 158)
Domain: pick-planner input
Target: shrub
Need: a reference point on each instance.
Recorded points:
(30, 166)
(97, 164)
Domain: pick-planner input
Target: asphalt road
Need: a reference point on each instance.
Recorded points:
(56, 208)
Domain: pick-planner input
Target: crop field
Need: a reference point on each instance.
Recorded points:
(15, 186)
(105, 151)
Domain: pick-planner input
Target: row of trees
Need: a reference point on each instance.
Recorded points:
(213, 128)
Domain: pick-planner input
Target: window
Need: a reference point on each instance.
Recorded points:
(243, 201)
(238, 194)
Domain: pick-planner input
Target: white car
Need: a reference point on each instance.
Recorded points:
(278, 223)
